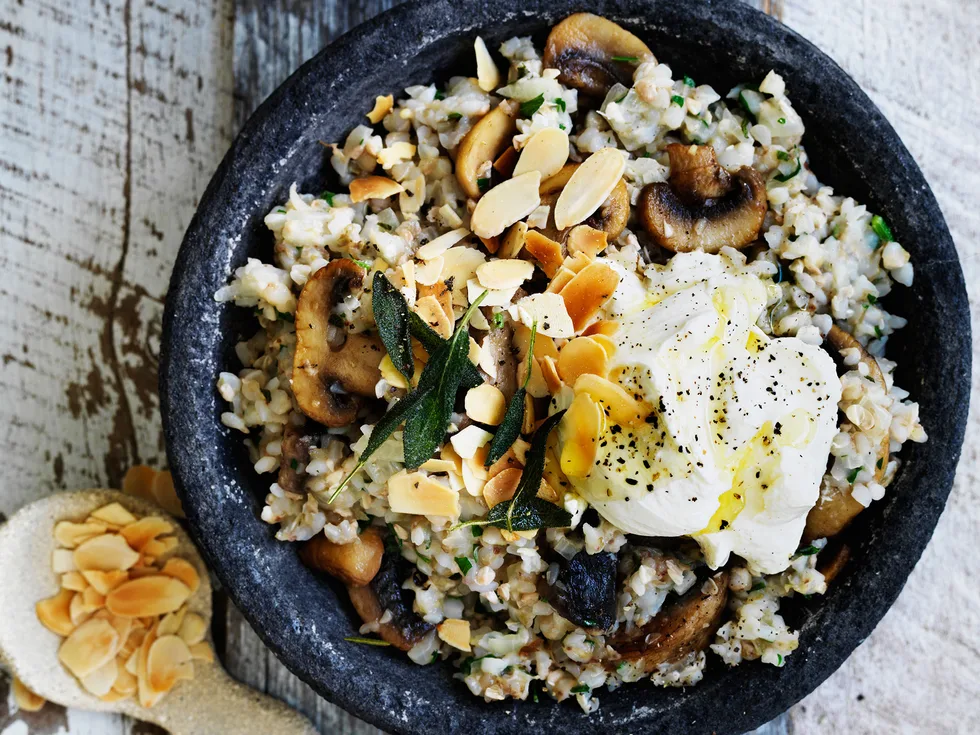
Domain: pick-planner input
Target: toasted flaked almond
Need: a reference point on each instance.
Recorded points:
(108, 552)
(588, 291)
(373, 187)
(492, 244)
(545, 152)
(507, 462)
(501, 486)
(544, 250)
(504, 274)
(192, 629)
(104, 582)
(419, 495)
(549, 311)
(390, 373)
(125, 683)
(77, 611)
(26, 700)
(442, 293)
(493, 297)
(54, 612)
(513, 241)
(536, 385)
(382, 106)
(100, 681)
(132, 663)
(156, 595)
(184, 571)
(123, 627)
(412, 199)
(88, 647)
(395, 153)
(602, 327)
(146, 529)
(70, 534)
(74, 581)
(113, 514)
(92, 600)
(549, 369)
(138, 480)
(487, 75)
(436, 466)
(456, 633)
(589, 186)
(145, 694)
(430, 272)
(504, 165)
(143, 570)
(202, 652)
(544, 346)
(432, 313)
(441, 244)
(560, 280)
(459, 267)
(581, 428)
(158, 547)
(505, 204)
(165, 494)
(585, 239)
(474, 476)
(485, 404)
(467, 441)
(170, 623)
(582, 355)
(620, 406)
(62, 561)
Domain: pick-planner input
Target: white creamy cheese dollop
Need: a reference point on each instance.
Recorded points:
(736, 426)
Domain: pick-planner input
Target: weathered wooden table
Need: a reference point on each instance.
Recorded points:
(114, 114)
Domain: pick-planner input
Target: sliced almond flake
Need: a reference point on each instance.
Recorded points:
(26, 700)
(146, 529)
(193, 629)
(501, 486)
(544, 346)
(104, 582)
(620, 406)
(107, 552)
(138, 481)
(487, 74)
(54, 612)
(114, 514)
(467, 441)
(202, 652)
(456, 633)
(133, 641)
(486, 404)
(145, 694)
(560, 280)
(544, 250)
(602, 327)
(100, 681)
(586, 240)
(77, 611)
(430, 272)
(432, 313)
(382, 106)
(488, 360)
(159, 547)
(156, 595)
(580, 356)
(504, 274)
(132, 663)
(123, 627)
(89, 646)
(505, 204)
(581, 428)
(184, 571)
(528, 425)
(416, 494)
(73, 581)
(473, 482)
(549, 370)
(373, 187)
(479, 321)
(588, 291)
(494, 297)
(437, 466)
(92, 600)
(70, 534)
(165, 494)
(460, 264)
(391, 374)
(513, 241)
(63, 560)
(411, 200)
(395, 153)
(536, 386)
(475, 352)
(589, 186)
(545, 152)
(170, 623)
(548, 311)
(125, 683)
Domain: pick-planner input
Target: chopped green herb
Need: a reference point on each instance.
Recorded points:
(385, 226)
(284, 317)
(838, 227)
(760, 585)
(626, 59)
(467, 666)
(423, 557)
(807, 551)
(294, 464)
(791, 174)
(561, 126)
(454, 116)
(877, 331)
(328, 197)
(477, 531)
(560, 103)
(529, 107)
(464, 564)
(440, 95)
(852, 475)
(498, 320)
(689, 82)
(483, 184)
(581, 689)
(779, 657)
(881, 228)
(781, 121)
(872, 299)
(879, 462)
(363, 263)
(366, 641)
(677, 100)
(281, 210)
(622, 98)
(391, 316)
(782, 155)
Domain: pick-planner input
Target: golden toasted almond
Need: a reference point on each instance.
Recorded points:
(123, 626)
(585, 239)
(202, 651)
(560, 280)
(581, 428)
(438, 466)
(501, 486)
(475, 473)
(486, 404)
(74, 581)
(390, 373)
(108, 552)
(577, 262)
(412, 199)
(165, 494)
(26, 700)
(589, 186)
(88, 647)
(487, 74)
(492, 244)
(588, 291)
(125, 683)
(467, 441)
(168, 661)
(606, 343)
(460, 267)
(382, 106)
(143, 570)
(430, 272)
(449, 454)
(54, 612)
(193, 629)
(170, 623)
(547, 492)
(146, 529)
(104, 582)
(373, 187)
(549, 370)
(146, 696)
(549, 311)
(113, 514)
(544, 250)
(486, 140)
(184, 571)
(62, 561)
(505, 204)
(395, 153)
(508, 461)
(505, 163)
(537, 387)
(432, 313)
(441, 244)
(138, 481)
(155, 548)
(504, 274)
(513, 241)
(92, 600)
(133, 641)
(154, 595)
(602, 327)
(70, 534)
(455, 632)
(545, 152)
(417, 494)
(132, 663)
(620, 406)
(100, 681)
(77, 611)
(442, 292)
(582, 355)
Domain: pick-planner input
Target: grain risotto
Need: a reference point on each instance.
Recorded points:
(583, 374)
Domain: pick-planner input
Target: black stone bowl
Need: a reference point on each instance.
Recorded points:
(303, 619)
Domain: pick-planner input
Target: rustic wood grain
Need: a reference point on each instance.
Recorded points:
(114, 114)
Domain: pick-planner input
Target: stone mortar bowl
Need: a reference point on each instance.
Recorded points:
(303, 619)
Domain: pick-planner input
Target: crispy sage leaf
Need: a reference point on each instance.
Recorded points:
(510, 427)
(391, 315)
(431, 342)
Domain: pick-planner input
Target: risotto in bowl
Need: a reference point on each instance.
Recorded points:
(569, 372)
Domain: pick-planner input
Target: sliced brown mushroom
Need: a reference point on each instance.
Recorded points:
(296, 443)
(482, 145)
(681, 627)
(355, 563)
(703, 207)
(832, 514)
(328, 379)
(500, 342)
(592, 53)
(611, 217)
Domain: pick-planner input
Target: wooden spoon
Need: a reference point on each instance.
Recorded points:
(212, 702)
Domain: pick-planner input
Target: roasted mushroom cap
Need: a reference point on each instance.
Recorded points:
(404, 628)
(703, 207)
(681, 627)
(831, 515)
(585, 590)
(611, 217)
(482, 145)
(592, 53)
(327, 380)
(355, 563)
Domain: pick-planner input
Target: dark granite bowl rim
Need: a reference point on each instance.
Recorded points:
(216, 500)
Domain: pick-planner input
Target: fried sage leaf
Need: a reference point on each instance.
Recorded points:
(510, 427)
(391, 315)
(431, 342)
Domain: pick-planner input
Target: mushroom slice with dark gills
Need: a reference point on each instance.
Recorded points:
(585, 591)
(702, 206)
(385, 593)
(592, 54)
(683, 626)
(611, 217)
(329, 378)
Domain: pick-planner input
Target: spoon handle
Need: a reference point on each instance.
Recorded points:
(215, 703)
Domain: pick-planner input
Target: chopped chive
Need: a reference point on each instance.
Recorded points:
(328, 196)
(779, 657)
(807, 551)
(281, 210)
(483, 184)
(782, 155)
(560, 103)
(760, 585)
(689, 82)
(294, 463)
(366, 641)
(464, 564)
(879, 462)
(529, 107)
(561, 126)
(781, 121)
(423, 557)
(881, 228)
(582, 688)
(621, 98)
(677, 100)
(454, 116)
(852, 475)
(877, 331)
(628, 60)
(498, 323)
(284, 317)
(477, 531)
(872, 299)
(440, 95)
